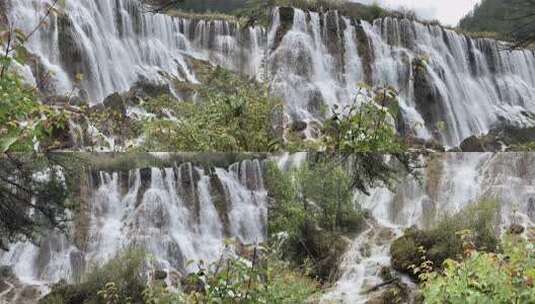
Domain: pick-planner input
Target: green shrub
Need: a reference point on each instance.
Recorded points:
(262, 278)
(484, 277)
(23, 120)
(118, 281)
(312, 208)
(364, 127)
(232, 115)
(443, 241)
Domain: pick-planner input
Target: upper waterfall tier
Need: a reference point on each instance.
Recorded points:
(451, 86)
(178, 215)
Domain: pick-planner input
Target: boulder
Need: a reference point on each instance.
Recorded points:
(115, 103)
(298, 126)
(6, 272)
(500, 137)
(144, 89)
(480, 144)
(472, 144)
(396, 292)
(69, 294)
(516, 229)
(192, 283)
(160, 275)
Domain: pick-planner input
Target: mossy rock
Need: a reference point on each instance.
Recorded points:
(326, 249)
(395, 293)
(70, 294)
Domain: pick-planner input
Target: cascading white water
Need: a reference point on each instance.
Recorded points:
(451, 86)
(443, 77)
(114, 44)
(463, 179)
(178, 215)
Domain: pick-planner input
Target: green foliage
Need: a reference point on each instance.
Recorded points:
(261, 278)
(444, 240)
(510, 20)
(34, 192)
(118, 281)
(346, 8)
(484, 277)
(364, 126)
(287, 213)
(121, 278)
(312, 207)
(232, 115)
(264, 278)
(523, 147)
(320, 192)
(23, 120)
(488, 16)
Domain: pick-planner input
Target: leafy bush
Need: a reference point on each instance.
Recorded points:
(484, 277)
(364, 126)
(120, 280)
(320, 192)
(232, 115)
(23, 120)
(443, 240)
(264, 278)
(312, 207)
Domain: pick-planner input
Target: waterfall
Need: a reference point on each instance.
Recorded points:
(114, 44)
(450, 86)
(177, 214)
(457, 181)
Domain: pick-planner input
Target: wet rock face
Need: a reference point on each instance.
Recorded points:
(327, 250)
(334, 28)
(286, 23)
(4, 6)
(316, 104)
(72, 56)
(531, 209)
(365, 52)
(298, 126)
(160, 275)
(77, 259)
(428, 101)
(145, 176)
(187, 180)
(38, 68)
(176, 258)
(221, 202)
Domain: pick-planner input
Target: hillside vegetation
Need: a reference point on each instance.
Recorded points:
(510, 20)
